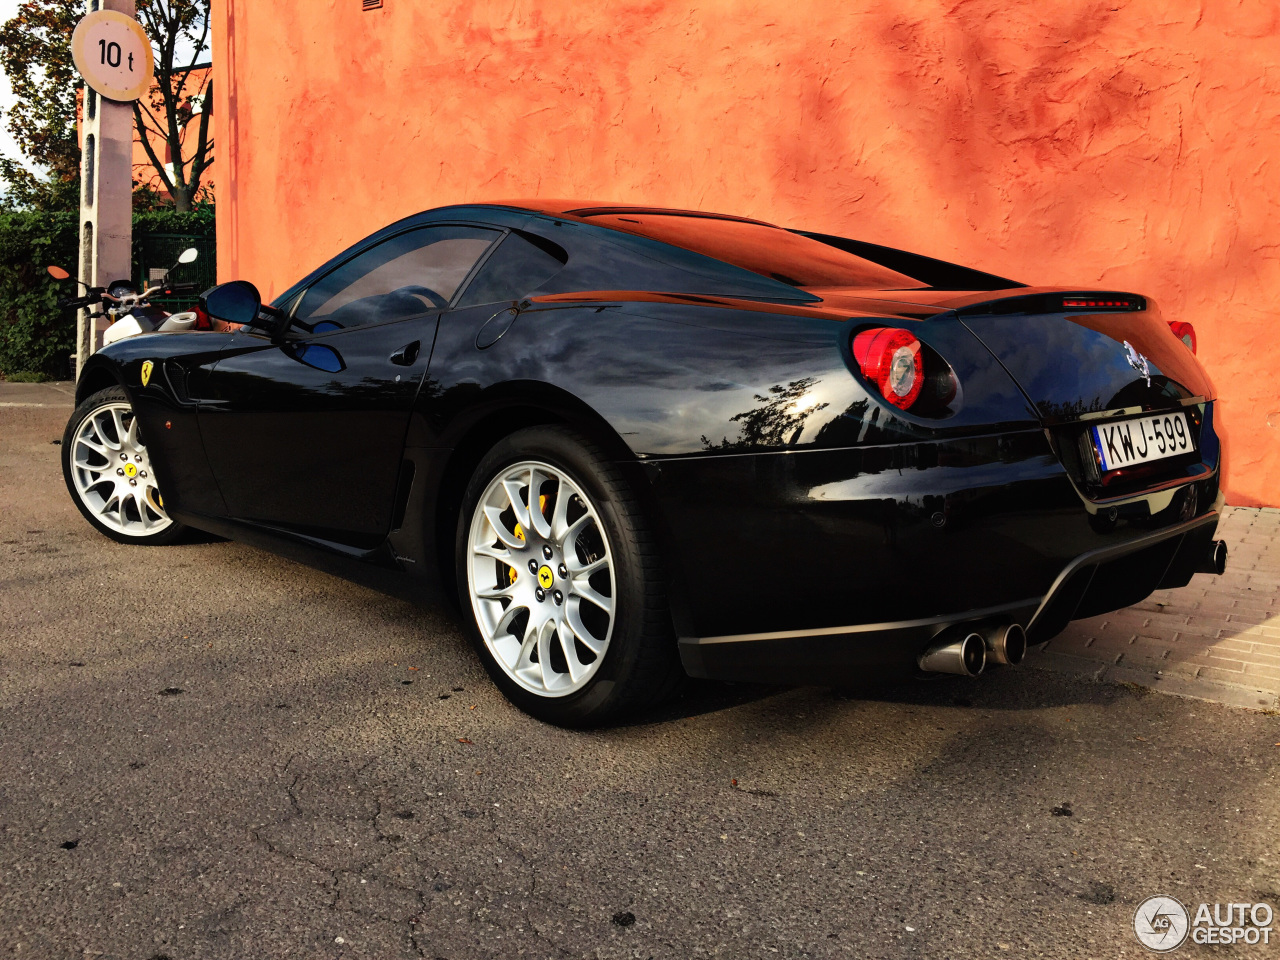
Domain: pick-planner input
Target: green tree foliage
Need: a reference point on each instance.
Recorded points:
(36, 47)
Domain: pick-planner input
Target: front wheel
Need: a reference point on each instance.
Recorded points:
(109, 474)
(560, 582)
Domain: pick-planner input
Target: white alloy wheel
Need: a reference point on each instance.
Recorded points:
(540, 576)
(111, 473)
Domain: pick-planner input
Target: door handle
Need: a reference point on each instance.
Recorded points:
(406, 355)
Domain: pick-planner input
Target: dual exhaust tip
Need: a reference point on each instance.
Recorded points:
(968, 651)
(969, 655)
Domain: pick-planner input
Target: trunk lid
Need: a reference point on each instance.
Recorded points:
(1068, 355)
(1086, 361)
(1073, 361)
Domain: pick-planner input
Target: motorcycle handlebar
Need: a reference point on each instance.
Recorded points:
(95, 295)
(100, 295)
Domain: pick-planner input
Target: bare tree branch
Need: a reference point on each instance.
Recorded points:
(151, 153)
(203, 156)
(169, 109)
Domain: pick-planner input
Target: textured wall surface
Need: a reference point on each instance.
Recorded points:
(1124, 144)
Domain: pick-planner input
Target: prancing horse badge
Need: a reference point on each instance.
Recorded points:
(147, 367)
(1136, 360)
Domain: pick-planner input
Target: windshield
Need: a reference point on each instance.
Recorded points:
(763, 249)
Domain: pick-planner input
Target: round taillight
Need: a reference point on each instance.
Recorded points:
(890, 359)
(1184, 332)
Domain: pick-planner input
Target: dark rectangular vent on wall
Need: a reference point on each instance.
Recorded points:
(372, 4)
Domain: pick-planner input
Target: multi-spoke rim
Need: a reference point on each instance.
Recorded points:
(112, 472)
(541, 579)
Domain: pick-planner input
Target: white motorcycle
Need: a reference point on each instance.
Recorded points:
(130, 311)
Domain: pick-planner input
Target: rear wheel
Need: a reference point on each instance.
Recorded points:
(560, 582)
(109, 473)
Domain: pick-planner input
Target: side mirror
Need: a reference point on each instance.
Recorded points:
(234, 302)
(189, 255)
(58, 273)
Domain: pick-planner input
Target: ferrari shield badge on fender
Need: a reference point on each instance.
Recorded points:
(147, 367)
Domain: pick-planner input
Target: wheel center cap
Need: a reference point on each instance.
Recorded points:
(545, 577)
(130, 470)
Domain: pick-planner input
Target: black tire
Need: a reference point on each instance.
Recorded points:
(91, 405)
(640, 666)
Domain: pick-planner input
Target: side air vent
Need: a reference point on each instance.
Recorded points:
(403, 486)
(371, 4)
(176, 374)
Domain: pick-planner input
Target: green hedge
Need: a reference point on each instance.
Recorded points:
(35, 336)
(198, 221)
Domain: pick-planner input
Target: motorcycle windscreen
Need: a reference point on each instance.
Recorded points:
(1073, 364)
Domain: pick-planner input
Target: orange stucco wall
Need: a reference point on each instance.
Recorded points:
(1130, 144)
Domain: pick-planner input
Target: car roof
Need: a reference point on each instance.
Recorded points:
(584, 209)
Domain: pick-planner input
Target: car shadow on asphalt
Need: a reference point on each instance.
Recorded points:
(999, 689)
(700, 697)
(194, 537)
(1003, 688)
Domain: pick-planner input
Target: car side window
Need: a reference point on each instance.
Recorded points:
(407, 275)
(520, 265)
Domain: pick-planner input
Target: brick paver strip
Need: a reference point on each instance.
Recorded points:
(1217, 639)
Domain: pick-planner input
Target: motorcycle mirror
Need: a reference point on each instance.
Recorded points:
(234, 302)
(58, 273)
(189, 255)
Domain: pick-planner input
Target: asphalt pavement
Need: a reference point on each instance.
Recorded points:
(210, 752)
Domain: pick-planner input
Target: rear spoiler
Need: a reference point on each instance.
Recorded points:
(1056, 301)
(936, 273)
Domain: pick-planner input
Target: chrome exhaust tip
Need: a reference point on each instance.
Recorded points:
(966, 657)
(1006, 644)
(1215, 559)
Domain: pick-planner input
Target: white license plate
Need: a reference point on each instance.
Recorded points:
(1141, 441)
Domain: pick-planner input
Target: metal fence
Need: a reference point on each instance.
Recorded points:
(154, 253)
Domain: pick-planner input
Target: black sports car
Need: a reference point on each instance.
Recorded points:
(640, 443)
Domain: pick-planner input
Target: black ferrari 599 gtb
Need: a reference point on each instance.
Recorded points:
(639, 443)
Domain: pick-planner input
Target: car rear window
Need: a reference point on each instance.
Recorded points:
(767, 250)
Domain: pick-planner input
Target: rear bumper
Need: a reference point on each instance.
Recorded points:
(824, 565)
(1101, 580)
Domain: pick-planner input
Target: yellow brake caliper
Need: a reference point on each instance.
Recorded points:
(512, 572)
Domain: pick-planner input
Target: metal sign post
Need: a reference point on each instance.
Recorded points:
(112, 53)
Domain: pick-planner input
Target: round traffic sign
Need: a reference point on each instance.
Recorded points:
(113, 54)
